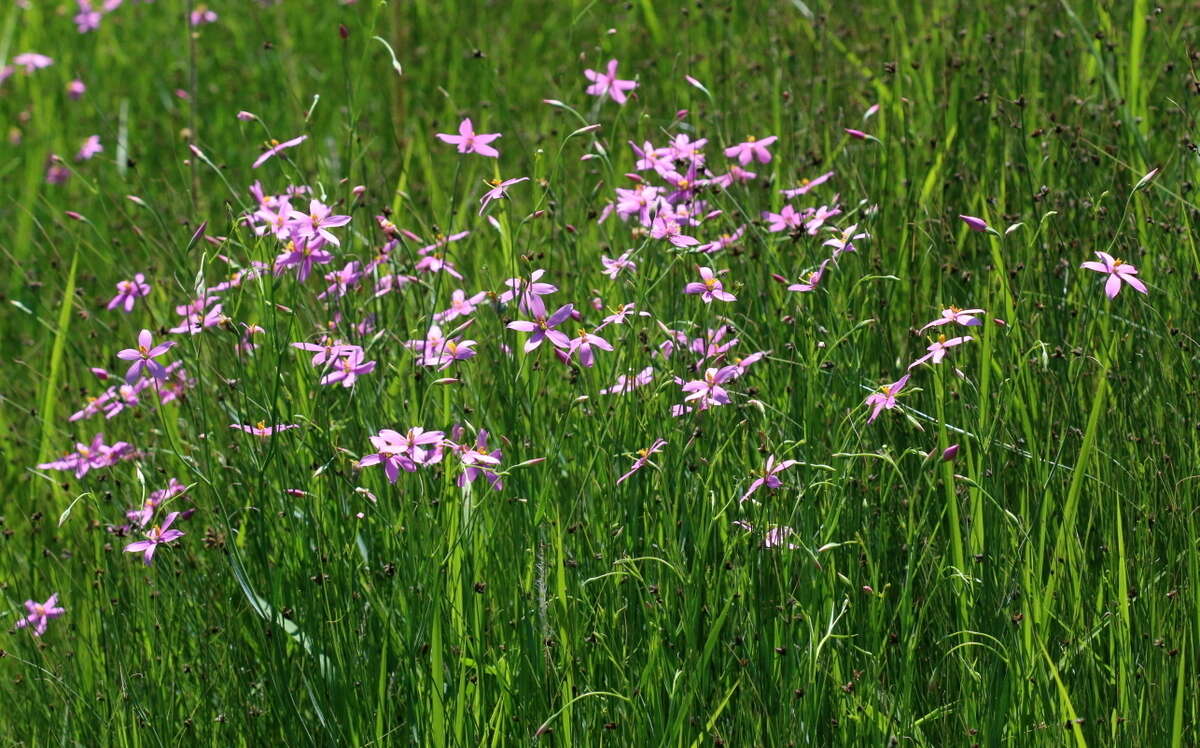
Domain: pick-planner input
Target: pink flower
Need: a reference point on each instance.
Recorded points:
(437, 351)
(957, 316)
(608, 84)
(317, 222)
(885, 399)
(88, 18)
(663, 228)
(469, 142)
(275, 148)
(143, 357)
(613, 267)
(643, 457)
(128, 292)
(158, 535)
(1118, 271)
(788, 219)
(774, 537)
(811, 282)
(542, 328)
(844, 241)
(76, 89)
(261, 429)
(392, 453)
(460, 306)
(91, 456)
(975, 224)
(40, 613)
(768, 476)
(348, 368)
(629, 383)
(32, 61)
(806, 185)
(708, 392)
(751, 150)
(202, 15)
(937, 351)
(709, 287)
(498, 190)
(724, 241)
(581, 346)
(477, 461)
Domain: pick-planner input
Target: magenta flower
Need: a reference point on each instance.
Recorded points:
(76, 89)
(708, 392)
(709, 287)
(91, 456)
(1118, 271)
(468, 141)
(542, 328)
(788, 219)
(461, 305)
(261, 429)
(423, 447)
(498, 190)
(768, 476)
(437, 351)
(478, 461)
(664, 228)
(275, 148)
(40, 613)
(317, 222)
(815, 219)
(303, 254)
(158, 535)
(32, 61)
(629, 383)
(327, 351)
(613, 267)
(885, 399)
(90, 148)
(973, 223)
(143, 357)
(751, 150)
(806, 185)
(128, 292)
(776, 536)
(608, 84)
(143, 514)
(341, 281)
(392, 454)
(937, 351)
(844, 241)
(88, 18)
(582, 345)
(811, 282)
(643, 457)
(348, 368)
(958, 316)
(724, 241)
(202, 15)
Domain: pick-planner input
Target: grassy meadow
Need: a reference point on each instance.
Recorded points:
(424, 501)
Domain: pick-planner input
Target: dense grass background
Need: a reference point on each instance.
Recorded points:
(1041, 589)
